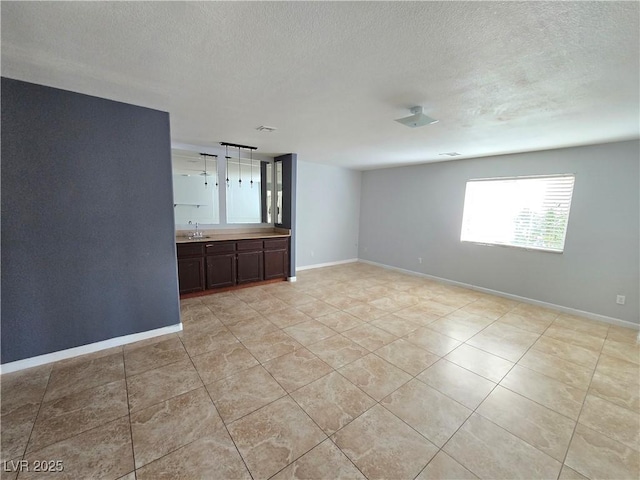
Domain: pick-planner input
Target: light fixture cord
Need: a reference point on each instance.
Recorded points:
(251, 154)
(205, 170)
(227, 157)
(239, 170)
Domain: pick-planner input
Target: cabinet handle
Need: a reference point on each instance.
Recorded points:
(207, 246)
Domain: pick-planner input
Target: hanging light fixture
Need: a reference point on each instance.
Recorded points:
(251, 154)
(226, 155)
(205, 170)
(239, 170)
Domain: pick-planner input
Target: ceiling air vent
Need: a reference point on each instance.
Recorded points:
(264, 128)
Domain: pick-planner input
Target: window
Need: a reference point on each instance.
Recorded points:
(526, 212)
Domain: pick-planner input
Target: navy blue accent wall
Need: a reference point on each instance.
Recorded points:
(88, 249)
(289, 180)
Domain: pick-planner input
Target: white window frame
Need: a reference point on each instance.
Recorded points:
(467, 234)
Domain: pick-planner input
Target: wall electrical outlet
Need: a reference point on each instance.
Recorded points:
(620, 299)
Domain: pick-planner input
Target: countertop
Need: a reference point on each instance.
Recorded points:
(233, 235)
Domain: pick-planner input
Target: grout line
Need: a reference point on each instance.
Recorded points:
(126, 386)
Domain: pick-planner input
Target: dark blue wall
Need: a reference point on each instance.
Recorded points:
(289, 185)
(88, 250)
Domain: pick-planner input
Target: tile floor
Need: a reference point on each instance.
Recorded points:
(352, 372)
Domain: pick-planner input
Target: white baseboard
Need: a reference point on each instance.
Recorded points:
(539, 303)
(328, 264)
(84, 349)
(291, 279)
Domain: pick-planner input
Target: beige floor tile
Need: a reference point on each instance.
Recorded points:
(436, 308)
(16, 429)
(482, 363)
(383, 447)
(297, 369)
(274, 436)
(548, 392)
(223, 362)
(581, 324)
(104, 452)
(431, 413)
(317, 308)
(595, 456)
(332, 401)
(395, 325)
(545, 429)
(167, 426)
(375, 376)
(78, 412)
(243, 393)
(67, 362)
(404, 299)
(323, 462)
(270, 305)
(250, 328)
(460, 325)
(524, 321)
(160, 384)
(341, 301)
(387, 304)
(623, 334)
(494, 342)
(198, 315)
(81, 376)
(418, 314)
(535, 312)
(288, 317)
(491, 452)
(442, 466)
(310, 332)
(568, 473)
(490, 308)
(462, 385)
(338, 350)
(212, 456)
(153, 356)
(432, 341)
(620, 369)
(366, 312)
(252, 295)
(206, 339)
(570, 373)
(272, 345)
(574, 337)
(615, 422)
(25, 387)
(407, 356)
(231, 316)
(369, 337)
(362, 295)
(622, 350)
(619, 392)
(340, 321)
(566, 351)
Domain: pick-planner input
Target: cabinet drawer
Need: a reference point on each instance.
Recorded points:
(249, 245)
(220, 247)
(189, 249)
(276, 243)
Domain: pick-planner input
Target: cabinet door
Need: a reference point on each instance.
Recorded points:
(275, 264)
(221, 270)
(250, 267)
(191, 274)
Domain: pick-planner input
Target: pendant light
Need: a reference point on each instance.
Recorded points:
(205, 170)
(239, 170)
(226, 148)
(251, 154)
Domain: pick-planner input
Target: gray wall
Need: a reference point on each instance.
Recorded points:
(416, 211)
(88, 248)
(328, 213)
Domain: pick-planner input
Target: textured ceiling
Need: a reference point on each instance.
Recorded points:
(332, 77)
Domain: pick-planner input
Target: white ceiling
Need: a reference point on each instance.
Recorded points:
(332, 77)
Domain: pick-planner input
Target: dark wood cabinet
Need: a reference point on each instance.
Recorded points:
(222, 264)
(221, 270)
(250, 267)
(190, 267)
(276, 258)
